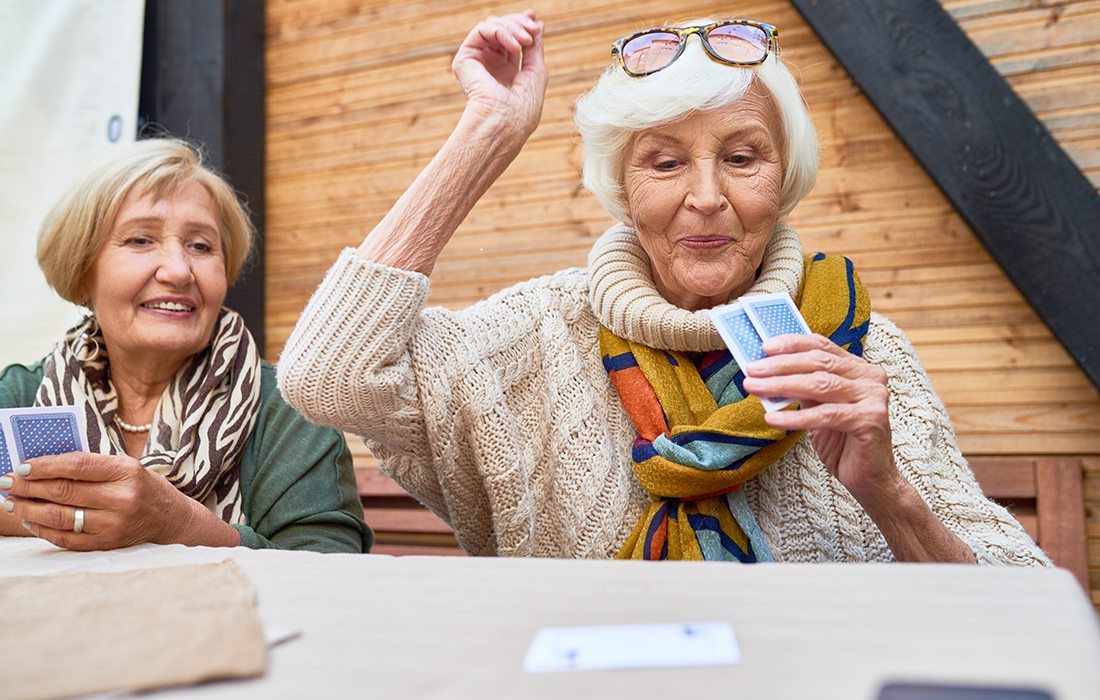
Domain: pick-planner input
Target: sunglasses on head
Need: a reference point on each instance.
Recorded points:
(734, 42)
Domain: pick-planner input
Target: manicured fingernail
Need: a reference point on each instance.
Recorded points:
(27, 525)
(8, 505)
(23, 469)
(5, 483)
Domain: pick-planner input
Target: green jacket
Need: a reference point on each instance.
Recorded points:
(297, 480)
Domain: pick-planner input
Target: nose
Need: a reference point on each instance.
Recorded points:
(705, 193)
(175, 266)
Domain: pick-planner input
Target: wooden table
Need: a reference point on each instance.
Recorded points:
(445, 627)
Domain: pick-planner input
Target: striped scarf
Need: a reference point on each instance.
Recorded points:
(701, 437)
(203, 420)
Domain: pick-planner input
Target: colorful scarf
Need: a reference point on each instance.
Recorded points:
(203, 420)
(701, 437)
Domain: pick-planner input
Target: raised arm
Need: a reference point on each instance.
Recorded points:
(501, 70)
(356, 358)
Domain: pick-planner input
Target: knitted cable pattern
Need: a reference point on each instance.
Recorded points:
(502, 419)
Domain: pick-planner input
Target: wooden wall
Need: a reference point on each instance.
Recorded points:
(360, 96)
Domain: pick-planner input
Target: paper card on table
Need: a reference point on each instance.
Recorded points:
(632, 646)
(744, 341)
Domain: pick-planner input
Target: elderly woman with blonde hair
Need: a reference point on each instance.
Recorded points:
(190, 441)
(596, 412)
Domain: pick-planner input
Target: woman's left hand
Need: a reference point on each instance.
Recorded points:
(844, 410)
(124, 503)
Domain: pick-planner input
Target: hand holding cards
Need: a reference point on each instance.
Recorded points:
(26, 433)
(745, 324)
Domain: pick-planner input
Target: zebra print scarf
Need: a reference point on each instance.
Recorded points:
(203, 420)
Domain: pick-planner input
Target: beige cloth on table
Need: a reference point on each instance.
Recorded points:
(82, 633)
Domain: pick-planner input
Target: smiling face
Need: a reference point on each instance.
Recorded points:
(159, 281)
(704, 195)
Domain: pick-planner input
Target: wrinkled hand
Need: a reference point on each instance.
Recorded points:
(500, 67)
(844, 410)
(124, 503)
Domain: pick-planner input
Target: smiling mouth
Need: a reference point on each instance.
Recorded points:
(168, 306)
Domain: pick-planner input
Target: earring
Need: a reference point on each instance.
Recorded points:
(81, 346)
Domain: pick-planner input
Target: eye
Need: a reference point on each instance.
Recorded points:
(740, 159)
(202, 247)
(139, 241)
(667, 164)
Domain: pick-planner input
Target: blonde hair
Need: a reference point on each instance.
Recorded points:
(76, 228)
(619, 106)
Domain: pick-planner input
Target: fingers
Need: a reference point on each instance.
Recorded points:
(865, 418)
(802, 354)
(79, 466)
(510, 34)
(67, 492)
(53, 516)
(74, 479)
(67, 539)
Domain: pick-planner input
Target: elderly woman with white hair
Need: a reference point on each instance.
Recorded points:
(596, 412)
(190, 441)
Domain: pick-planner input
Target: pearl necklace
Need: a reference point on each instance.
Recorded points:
(130, 428)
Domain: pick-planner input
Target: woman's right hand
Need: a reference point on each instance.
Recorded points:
(500, 67)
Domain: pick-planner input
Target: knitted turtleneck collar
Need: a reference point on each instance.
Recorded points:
(626, 301)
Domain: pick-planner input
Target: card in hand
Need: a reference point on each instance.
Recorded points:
(42, 430)
(774, 314)
(5, 461)
(743, 340)
(745, 324)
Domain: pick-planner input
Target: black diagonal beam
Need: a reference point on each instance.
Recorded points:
(202, 79)
(1038, 216)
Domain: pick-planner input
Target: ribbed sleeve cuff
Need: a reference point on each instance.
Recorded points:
(359, 319)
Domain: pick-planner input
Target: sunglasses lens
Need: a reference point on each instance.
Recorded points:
(650, 52)
(740, 43)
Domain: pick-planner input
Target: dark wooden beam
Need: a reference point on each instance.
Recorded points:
(202, 79)
(1007, 177)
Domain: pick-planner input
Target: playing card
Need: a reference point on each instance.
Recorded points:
(632, 646)
(744, 335)
(737, 331)
(5, 460)
(42, 430)
(774, 314)
(743, 341)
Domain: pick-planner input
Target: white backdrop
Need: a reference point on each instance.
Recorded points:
(70, 72)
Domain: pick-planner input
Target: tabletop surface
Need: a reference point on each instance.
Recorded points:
(428, 627)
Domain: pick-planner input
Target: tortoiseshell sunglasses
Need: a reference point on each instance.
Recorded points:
(734, 42)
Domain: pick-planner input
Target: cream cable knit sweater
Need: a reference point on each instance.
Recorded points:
(502, 419)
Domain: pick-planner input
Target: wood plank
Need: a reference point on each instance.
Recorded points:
(373, 483)
(1005, 478)
(994, 161)
(405, 520)
(398, 550)
(1061, 514)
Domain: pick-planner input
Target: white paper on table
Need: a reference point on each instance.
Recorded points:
(632, 646)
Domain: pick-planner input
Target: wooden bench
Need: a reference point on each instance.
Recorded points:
(1047, 497)
(401, 525)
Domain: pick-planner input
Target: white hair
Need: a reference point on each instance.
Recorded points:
(619, 106)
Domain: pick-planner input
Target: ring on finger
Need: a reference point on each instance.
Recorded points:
(78, 520)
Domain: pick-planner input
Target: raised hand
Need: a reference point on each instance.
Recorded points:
(500, 67)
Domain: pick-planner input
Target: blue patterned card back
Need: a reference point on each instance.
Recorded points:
(777, 318)
(743, 332)
(44, 434)
(5, 458)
